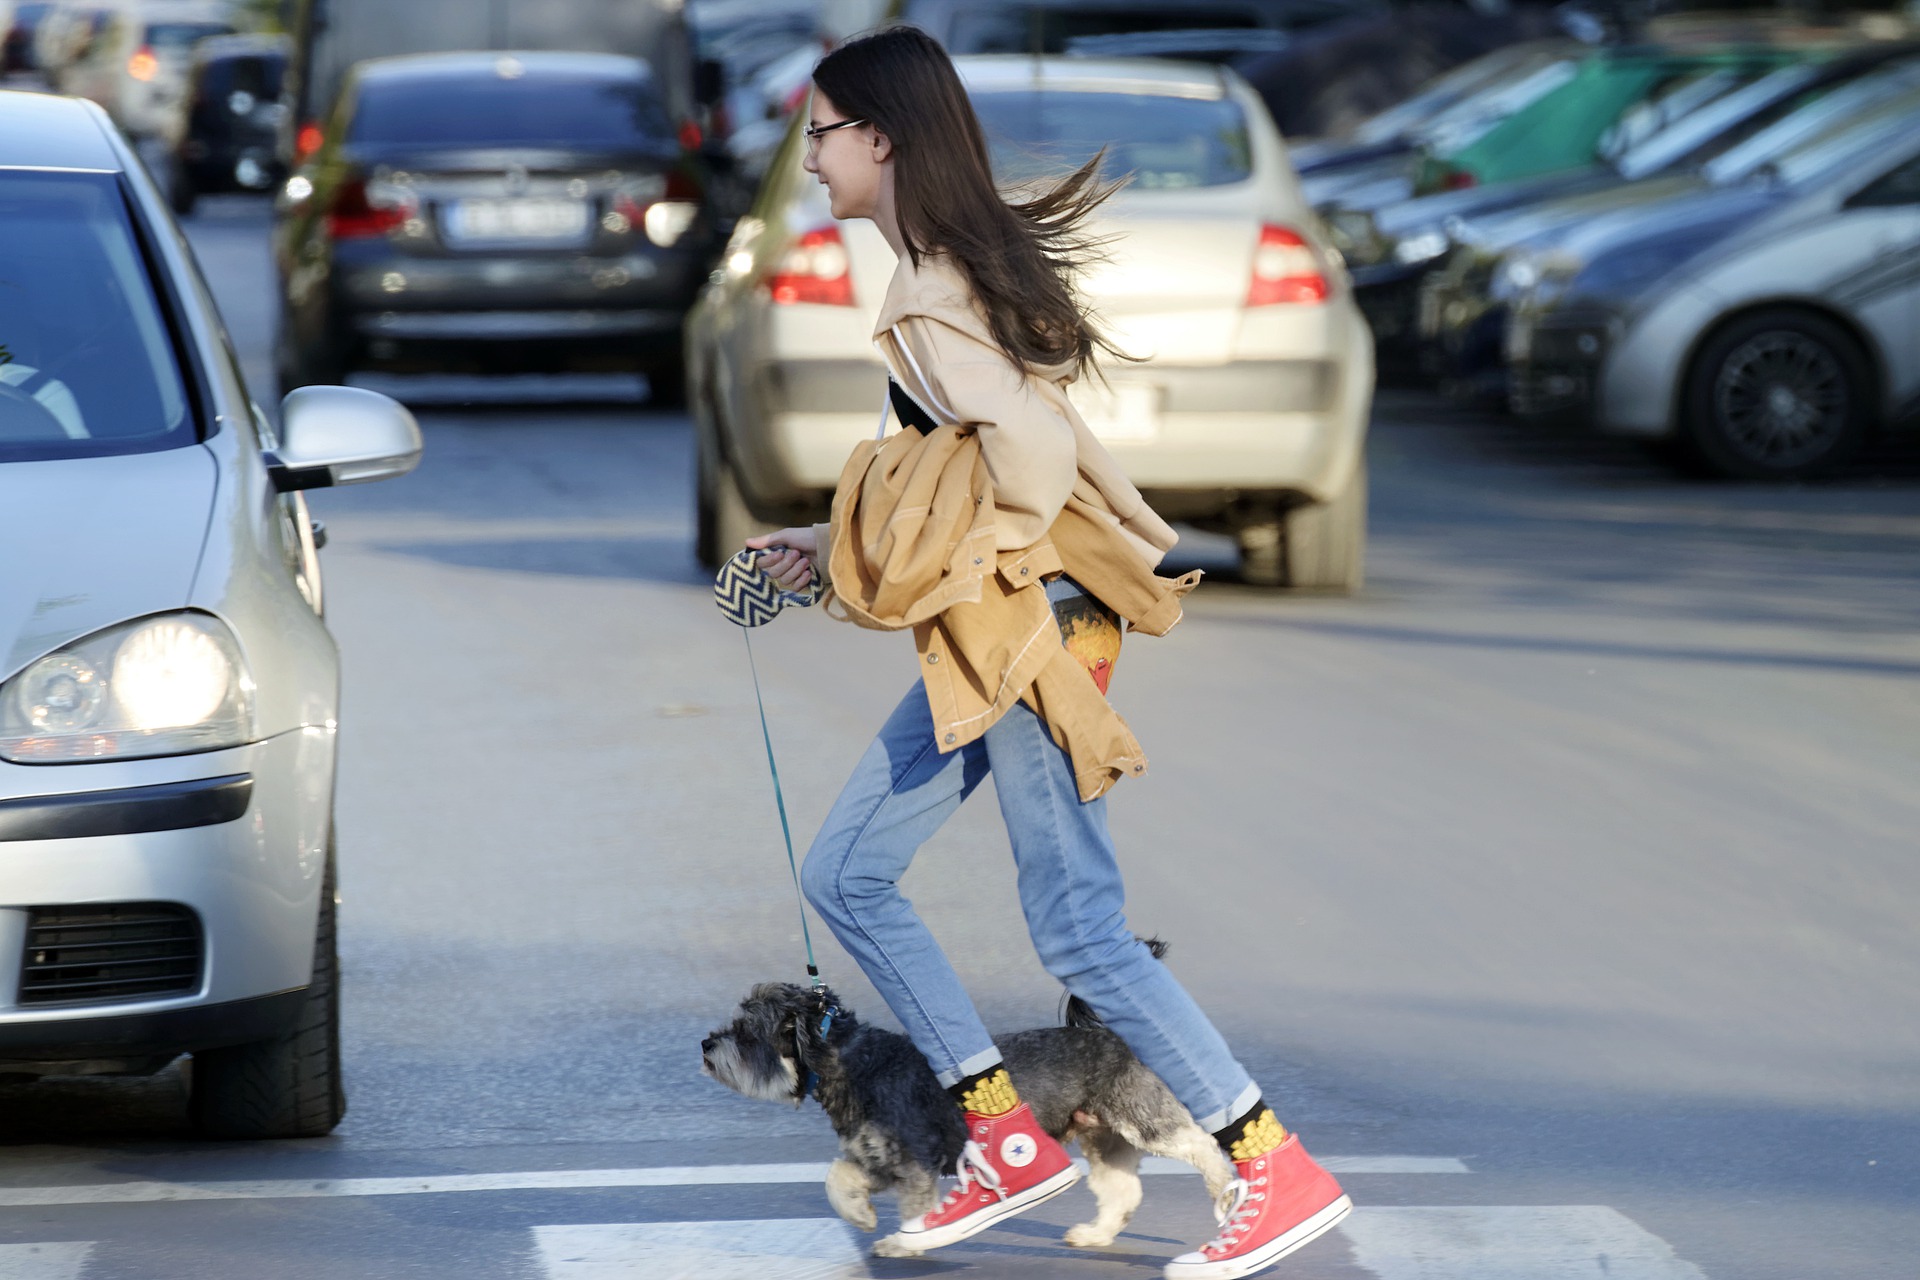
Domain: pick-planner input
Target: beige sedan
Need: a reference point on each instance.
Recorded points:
(1248, 412)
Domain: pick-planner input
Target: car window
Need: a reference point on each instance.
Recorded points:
(1163, 142)
(1015, 28)
(1467, 121)
(1457, 86)
(1902, 186)
(1822, 118)
(86, 361)
(182, 35)
(489, 109)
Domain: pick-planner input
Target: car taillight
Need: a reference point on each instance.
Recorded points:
(665, 213)
(1285, 269)
(813, 269)
(1456, 180)
(307, 141)
(357, 213)
(690, 136)
(143, 65)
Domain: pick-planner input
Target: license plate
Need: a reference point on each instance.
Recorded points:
(519, 219)
(1122, 411)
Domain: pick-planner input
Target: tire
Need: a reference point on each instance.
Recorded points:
(181, 193)
(722, 521)
(290, 1086)
(1777, 395)
(1325, 543)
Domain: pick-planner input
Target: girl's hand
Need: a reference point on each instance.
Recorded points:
(792, 568)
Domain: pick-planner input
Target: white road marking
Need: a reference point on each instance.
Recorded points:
(63, 1261)
(1510, 1242)
(789, 1248)
(702, 1175)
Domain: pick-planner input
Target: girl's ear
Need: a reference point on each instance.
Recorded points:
(882, 147)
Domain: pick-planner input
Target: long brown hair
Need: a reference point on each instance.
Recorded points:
(1020, 256)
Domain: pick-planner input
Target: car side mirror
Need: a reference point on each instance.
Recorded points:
(341, 435)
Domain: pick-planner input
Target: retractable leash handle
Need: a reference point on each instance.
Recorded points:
(749, 598)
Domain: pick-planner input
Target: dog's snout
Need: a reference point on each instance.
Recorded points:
(706, 1046)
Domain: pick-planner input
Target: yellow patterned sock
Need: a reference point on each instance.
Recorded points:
(990, 1093)
(1253, 1136)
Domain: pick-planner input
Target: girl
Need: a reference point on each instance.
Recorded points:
(1001, 531)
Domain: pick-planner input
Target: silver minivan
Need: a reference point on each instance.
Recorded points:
(168, 688)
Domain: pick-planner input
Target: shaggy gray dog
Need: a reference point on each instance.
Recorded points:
(900, 1130)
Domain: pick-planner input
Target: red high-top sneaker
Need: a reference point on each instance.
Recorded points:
(1280, 1201)
(1009, 1165)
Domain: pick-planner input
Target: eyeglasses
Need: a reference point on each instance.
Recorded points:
(814, 133)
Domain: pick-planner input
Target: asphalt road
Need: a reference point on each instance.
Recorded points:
(1563, 885)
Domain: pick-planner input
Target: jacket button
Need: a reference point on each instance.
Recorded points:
(933, 657)
(950, 737)
(977, 560)
(1023, 573)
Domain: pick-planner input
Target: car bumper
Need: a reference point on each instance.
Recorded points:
(1554, 361)
(236, 839)
(1252, 425)
(373, 278)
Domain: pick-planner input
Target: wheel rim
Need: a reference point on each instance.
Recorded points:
(1781, 399)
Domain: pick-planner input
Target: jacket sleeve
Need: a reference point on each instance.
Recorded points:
(1029, 449)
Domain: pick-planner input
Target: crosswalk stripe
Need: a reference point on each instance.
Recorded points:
(790, 1248)
(555, 1180)
(1510, 1242)
(62, 1261)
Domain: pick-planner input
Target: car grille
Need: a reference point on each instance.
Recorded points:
(110, 953)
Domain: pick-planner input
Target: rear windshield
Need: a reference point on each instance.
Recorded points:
(182, 35)
(489, 109)
(86, 364)
(1164, 142)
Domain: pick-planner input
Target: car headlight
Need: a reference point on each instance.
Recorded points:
(1522, 274)
(1351, 231)
(1424, 247)
(159, 686)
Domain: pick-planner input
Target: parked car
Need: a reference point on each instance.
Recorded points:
(1766, 326)
(1249, 413)
(1600, 106)
(233, 118)
(169, 692)
(493, 211)
(1462, 313)
(135, 64)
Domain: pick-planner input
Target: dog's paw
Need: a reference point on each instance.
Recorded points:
(861, 1216)
(893, 1247)
(1089, 1235)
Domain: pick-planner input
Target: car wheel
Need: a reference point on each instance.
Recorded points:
(1325, 543)
(667, 382)
(722, 521)
(1776, 396)
(290, 1086)
(181, 193)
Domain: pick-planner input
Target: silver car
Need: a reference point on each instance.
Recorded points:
(168, 689)
(1249, 412)
(1766, 326)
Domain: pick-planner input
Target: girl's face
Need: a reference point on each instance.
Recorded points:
(851, 162)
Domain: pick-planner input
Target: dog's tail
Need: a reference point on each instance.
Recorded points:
(1076, 1012)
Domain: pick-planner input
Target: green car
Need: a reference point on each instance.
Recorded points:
(1607, 101)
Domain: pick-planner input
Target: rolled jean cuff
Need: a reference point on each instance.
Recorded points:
(973, 1066)
(1215, 1121)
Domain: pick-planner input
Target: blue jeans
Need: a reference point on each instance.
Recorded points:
(1070, 889)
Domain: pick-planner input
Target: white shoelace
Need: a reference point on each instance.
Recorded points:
(973, 1166)
(1238, 1204)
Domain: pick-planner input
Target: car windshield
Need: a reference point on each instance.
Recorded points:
(1819, 127)
(182, 35)
(510, 108)
(86, 365)
(1163, 142)
(1473, 117)
(1495, 70)
(1688, 135)
(1044, 28)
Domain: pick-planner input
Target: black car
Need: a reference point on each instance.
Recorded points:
(493, 212)
(233, 119)
(16, 43)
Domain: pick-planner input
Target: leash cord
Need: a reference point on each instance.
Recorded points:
(780, 800)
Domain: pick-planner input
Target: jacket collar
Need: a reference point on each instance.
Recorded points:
(938, 290)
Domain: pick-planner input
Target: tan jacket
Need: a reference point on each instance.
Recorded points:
(951, 533)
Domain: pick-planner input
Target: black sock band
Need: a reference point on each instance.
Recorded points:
(986, 1093)
(1253, 1134)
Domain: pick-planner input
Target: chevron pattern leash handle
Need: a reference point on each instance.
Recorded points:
(749, 597)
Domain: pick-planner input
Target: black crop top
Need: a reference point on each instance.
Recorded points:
(908, 410)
